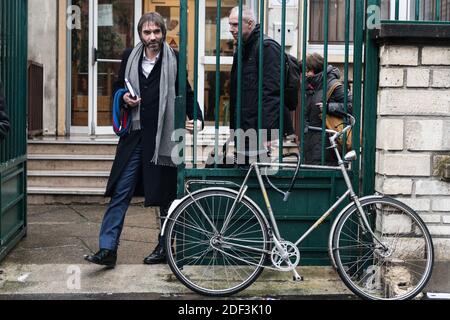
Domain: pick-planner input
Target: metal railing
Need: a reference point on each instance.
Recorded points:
(35, 98)
(350, 63)
(317, 186)
(13, 149)
(13, 61)
(418, 11)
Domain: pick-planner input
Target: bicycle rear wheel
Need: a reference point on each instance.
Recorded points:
(211, 262)
(397, 272)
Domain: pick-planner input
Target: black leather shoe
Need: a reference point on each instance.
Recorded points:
(158, 256)
(104, 257)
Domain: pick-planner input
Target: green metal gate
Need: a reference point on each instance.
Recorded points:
(315, 190)
(13, 69)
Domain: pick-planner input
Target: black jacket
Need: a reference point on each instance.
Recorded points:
(271, 86)
(158, 184)
(4, 119)
(314, 94)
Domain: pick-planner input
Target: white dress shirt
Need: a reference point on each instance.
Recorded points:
(148, 64)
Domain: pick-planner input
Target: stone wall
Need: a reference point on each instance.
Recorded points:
(413, 133)
(43, 48)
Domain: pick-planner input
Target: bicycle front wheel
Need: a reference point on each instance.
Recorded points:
(396, 264)
(209, 258)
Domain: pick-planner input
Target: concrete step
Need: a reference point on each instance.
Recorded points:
(76, 169)
(65, 191)
(82, 196)
(68, 179)
(72, 149)
(58, 195)
(58, 162)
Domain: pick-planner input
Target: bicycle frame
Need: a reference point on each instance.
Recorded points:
(350, 191)
(273, 223)
(256, 167)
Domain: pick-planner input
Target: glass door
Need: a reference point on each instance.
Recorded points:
(80, 69)
(108, 28)
(114, 32)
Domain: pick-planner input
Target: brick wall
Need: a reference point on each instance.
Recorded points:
(413, 133)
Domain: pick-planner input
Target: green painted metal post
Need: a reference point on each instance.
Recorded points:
(195, 136)
(417, 11)
(217, 101)
(370, 112)
(13, 74)
(303, 87)
(346, 63)
(282, 77)
(438, 10)
(181, 99)
(260, 74)
(239, 80)
(325, 78)
(397, 9)
(357, 77)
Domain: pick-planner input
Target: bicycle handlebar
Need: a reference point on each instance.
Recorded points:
(336, 136)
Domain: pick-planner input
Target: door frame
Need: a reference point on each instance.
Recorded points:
(92, 128)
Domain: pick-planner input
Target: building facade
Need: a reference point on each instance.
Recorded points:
(87, 38)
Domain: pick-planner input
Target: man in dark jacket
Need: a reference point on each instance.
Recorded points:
(4, 119)
(143, 165)
(250, 66)
(314, 99)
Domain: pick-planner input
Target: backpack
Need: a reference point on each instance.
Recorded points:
(336, 123)
(292, 77)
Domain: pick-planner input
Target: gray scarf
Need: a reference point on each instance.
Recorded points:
(166, 121)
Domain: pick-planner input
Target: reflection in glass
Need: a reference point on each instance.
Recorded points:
(80, 67)
(210, 95)
(226, 39)
(336, 21)
(115, 33)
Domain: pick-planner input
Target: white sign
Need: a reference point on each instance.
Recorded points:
(105, 15)
(279, 3)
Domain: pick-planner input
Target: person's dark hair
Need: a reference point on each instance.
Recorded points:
(314, 62)
(155, 18)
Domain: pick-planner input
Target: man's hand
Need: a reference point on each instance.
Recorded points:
(190, 126)
(132, 103)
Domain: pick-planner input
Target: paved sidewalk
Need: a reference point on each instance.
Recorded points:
(49, 263)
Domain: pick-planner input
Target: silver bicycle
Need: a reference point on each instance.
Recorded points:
(219, 241)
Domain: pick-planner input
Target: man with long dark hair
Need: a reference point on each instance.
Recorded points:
(143, 165)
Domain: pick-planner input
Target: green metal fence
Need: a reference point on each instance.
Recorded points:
(13, 73)
(315, 189)
(419, 11)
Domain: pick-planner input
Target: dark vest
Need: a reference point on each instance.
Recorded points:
(149, 88)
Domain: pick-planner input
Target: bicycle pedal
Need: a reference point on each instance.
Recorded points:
(298, 279)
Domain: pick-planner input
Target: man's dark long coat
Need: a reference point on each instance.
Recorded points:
(158, 184)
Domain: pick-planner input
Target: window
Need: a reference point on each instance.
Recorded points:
(207, 61)
(336, 21)
(428, 10)
(407, 10)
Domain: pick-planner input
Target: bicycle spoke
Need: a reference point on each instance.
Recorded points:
(395, 270)
(204, 260)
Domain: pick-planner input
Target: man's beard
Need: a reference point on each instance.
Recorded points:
(154, 46)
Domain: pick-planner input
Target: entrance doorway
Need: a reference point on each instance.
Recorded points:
(108, 27)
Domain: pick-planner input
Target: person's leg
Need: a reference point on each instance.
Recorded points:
(114, 217)
(159, 253)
